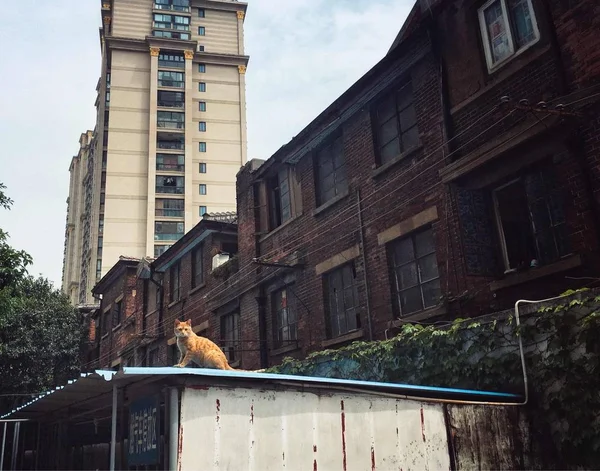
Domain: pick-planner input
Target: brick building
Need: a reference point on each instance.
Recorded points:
(140, 299)
(457, 176)
(461, 173)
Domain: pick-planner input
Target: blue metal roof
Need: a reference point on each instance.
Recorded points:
(424, 391)
(91, 384)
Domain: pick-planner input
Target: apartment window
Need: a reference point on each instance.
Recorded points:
(101, 226)
(169, 185)
(157, 33)
(508, 27)
(202, 167)
(197, 267)
(201, 13)
(175, 282)
(170, 120)
(176, 61)
(396, 124)
(171, 162)
(202, 126)
(202, 68)
(202, 188)
(167, 78)
(174, 22)
(168, 230)
(531, 220)
(280, 203)
(203, 210)
(414, 264)
(168, 99)
(342, 301)
(201, 87)
(202, 146)
(169, 208)
(202, 106)
(230, 335)
(175, 5)
(116, 314)
(200, 48)
(285, 321)
(331, 171)
(201, 31)
(158, 251)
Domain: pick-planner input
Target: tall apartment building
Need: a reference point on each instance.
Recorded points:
(170, 132)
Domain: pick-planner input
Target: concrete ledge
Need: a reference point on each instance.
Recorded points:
(338, 260)
(419, 316)
(286, 349)
(518, 278)
(332, 202)
(399, 158)
(408, 225)
(357, 334)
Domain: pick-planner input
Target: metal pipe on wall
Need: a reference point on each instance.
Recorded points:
(113, 431)
(3, 446)
(173, 428)
(15, 449)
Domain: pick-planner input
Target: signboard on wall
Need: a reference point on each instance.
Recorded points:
(144, 431)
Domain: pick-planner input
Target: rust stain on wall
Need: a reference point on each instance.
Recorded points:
(343, 436)
(422, 424)
(372, 458)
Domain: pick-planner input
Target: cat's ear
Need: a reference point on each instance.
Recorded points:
(177, 322)
(189, 322)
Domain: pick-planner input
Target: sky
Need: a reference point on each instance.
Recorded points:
(303, 55)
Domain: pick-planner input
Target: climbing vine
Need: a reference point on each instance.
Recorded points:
(562, 344)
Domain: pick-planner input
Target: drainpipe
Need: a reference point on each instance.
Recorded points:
(173, 429)
(262, 327)
(15, 449)
(113, 432)
(3, 446)
(364, 262)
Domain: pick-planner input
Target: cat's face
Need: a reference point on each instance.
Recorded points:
(183, 329)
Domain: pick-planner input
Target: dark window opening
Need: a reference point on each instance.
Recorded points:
(395, 121)
(415, 270)
(342, 301)
(230, 336)
(175, 283)
(280, 204)
(285, 320)
(331, 171)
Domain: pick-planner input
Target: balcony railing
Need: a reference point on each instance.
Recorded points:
(171, 64)
(170, 145)
(171, 83)
(164, 6)
(173, 190)
(171, 167)
(170, 124)
(171, 104)
(176, 236)
(169, 213)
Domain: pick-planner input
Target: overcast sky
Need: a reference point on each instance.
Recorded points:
(303, 55)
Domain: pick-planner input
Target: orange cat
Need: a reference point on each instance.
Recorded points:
(200, 350)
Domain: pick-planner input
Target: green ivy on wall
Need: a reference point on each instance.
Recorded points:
(562, 343)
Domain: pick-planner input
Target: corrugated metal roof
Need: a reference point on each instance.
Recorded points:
(99, 383)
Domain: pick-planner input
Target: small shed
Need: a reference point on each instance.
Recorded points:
(169, 418)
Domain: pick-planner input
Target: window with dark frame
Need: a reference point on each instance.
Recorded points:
(230, 335)
(285, 321)
(201, 31)
(395, 122)
(201, 86)
(153, 357)
(508, 27)
(415, 272)
(342, 300)
(106, 323)
(116, 313)
(175, 282)
(531, 220)
(202, 146)
(202, 126)
(202, 167)
(202, 188)
(331, 171)
(201, 13)
(203, 210)
(280, 203)
(202, 68)
(197, 267)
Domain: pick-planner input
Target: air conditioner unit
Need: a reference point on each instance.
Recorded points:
(219, 259)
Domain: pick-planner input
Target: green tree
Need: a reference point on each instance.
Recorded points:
(13, 263)
(40, 331)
